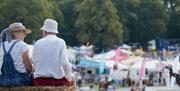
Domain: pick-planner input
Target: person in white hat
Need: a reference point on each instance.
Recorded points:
(52, 67)
(15, 63)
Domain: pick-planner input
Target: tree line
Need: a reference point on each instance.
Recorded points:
(104, 23)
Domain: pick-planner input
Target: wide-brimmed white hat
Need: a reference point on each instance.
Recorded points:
(50, 25)
(18, 26)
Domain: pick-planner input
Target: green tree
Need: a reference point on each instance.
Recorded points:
(127, 12)
(68, 30)
(98, 23)
(144, 19)
(152, 20)
(174, 26)
(173, 7)
(30, 12)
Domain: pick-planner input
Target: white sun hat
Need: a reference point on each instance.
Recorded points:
(50, 25)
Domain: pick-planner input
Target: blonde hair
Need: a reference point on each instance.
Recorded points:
(16, 34)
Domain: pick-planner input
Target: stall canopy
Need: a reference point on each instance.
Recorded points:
(92, 64)
(115, 55)
(111, 63)
(125, 46)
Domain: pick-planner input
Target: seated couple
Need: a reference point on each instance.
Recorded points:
(49, 66)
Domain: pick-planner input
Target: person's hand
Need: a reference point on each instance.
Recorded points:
(71, 78)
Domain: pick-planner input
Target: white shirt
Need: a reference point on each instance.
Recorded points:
(50, 58)
(16, 54)
(166, 73)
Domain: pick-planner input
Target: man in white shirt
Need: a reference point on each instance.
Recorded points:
(52, 67)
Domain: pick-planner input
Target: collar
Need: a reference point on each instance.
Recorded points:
(51, 35)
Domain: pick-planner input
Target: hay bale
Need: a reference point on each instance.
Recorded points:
(44, 88)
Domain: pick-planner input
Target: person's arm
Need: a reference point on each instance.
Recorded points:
(27, 61)
(34, 55)
(67, 66)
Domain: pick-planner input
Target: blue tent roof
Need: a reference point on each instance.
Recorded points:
(88, 63)
(91, 64)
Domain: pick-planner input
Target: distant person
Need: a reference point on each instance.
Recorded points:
(91, 88)
(166, 75)
(177, 76)
(160, 79)
(151, 78)
(52, 67)
(144, 85)
(90, 49)
(104, 84)
(87, 49)
(16, 66)
(133, 88)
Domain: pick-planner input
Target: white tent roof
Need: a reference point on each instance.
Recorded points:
(108, 55)
(154, 65)
(151, 65)
(126, 52)
(125, 46)
(110, 64)
(104, 56)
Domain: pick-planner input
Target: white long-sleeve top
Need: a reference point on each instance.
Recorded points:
(50, 58)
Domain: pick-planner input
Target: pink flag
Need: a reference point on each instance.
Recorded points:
(142, 70)
(119, 55)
